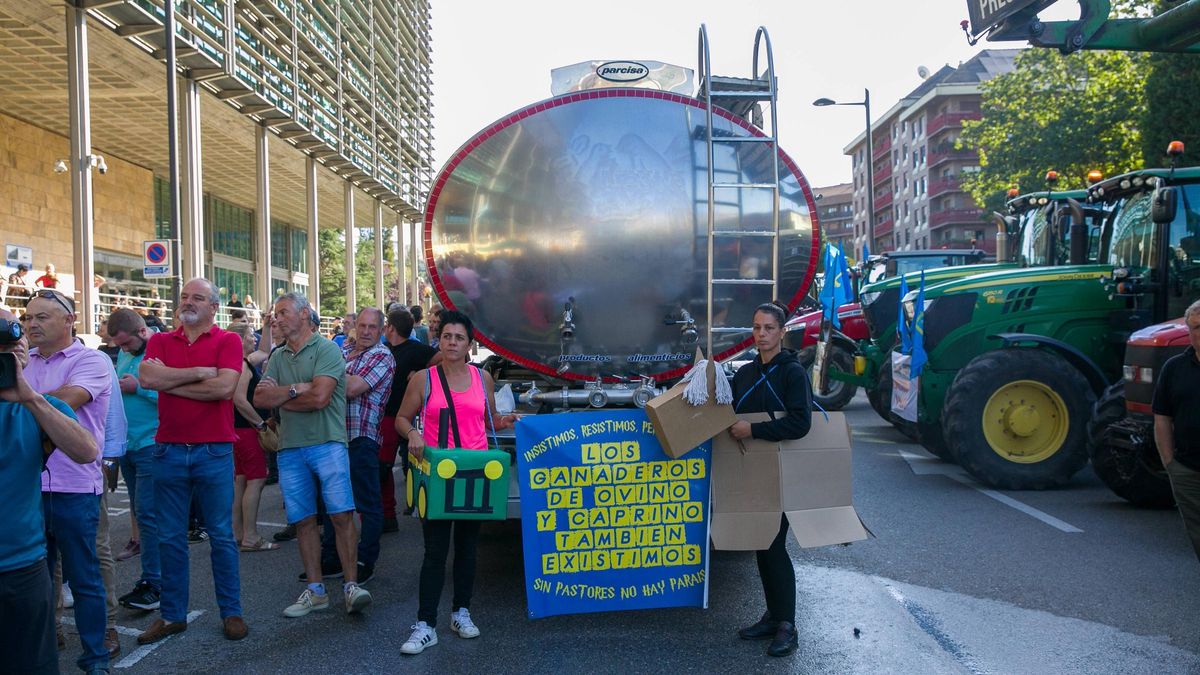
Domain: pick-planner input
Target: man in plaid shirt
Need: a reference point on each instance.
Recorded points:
(369, 370)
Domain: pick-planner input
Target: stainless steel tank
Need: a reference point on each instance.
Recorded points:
(573, 232)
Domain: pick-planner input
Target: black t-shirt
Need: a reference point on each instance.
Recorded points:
(1177, 395)
(410, 356)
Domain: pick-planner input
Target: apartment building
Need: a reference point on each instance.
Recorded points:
(835, 211)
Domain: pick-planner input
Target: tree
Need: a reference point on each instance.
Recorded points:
(1172, 90)
(1071, 114)
(333, 270)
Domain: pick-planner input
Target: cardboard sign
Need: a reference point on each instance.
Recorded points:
(904, 387)
(450, 484)
(609, 522)
(806, 480)
(681, 426)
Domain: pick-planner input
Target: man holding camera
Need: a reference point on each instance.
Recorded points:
(62, 367)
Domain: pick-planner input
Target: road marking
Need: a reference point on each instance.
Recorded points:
(928, 622)
(923, 464)
(116, 512)
(266, 524)
(144, 650)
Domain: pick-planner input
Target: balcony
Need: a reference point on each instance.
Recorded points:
(950, 154)
(884, 227)
(882, 147)
(943, 185)
(883, 201)
(956, 216)
(883, 173)
(949, 120)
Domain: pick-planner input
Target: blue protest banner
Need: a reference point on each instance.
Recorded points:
(608, 521)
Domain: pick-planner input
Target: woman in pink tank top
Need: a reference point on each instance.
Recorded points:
(472, 392)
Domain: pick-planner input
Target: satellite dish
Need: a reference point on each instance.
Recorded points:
(922, 72)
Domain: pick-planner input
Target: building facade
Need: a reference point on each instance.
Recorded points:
(835, 209)
(292, 115)
(919, 201)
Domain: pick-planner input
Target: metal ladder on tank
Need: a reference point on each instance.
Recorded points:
(741, 97)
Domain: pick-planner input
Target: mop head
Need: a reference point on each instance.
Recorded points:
(696, 391)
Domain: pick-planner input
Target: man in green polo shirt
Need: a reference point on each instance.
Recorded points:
(306, 380)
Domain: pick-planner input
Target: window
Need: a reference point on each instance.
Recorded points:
(279, 242)
(232, 228)
(922, 154)
(299, 250)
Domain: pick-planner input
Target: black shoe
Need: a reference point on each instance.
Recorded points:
(286, 534)
(391, 525)
(785, 641)
(144, 596)
(365, 572)
(763, 630)
(408, 510)
(197, 536)
(329, 570)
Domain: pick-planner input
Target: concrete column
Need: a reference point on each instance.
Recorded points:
(192, 235)
(262, 258)
(314, 244)
(414, 249)
(350, 271)
(79, 103)
(380, 301)
(401, 274)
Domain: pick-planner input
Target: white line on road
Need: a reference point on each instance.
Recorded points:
(922, 463)
(266, 524)
(143, 651)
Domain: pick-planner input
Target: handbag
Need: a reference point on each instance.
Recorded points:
(268, 437)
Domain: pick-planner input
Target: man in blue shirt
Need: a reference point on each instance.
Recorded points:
(28, 420)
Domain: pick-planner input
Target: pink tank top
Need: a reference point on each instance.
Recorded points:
(468, 407)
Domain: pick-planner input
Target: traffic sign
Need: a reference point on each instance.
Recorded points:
(988, 13)
(156, 259)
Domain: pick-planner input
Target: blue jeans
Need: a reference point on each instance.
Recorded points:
(364, 480)
(138, 468)
(300, 471)
(205, 469)
(71, 523)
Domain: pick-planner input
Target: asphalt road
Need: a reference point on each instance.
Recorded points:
(957, 579)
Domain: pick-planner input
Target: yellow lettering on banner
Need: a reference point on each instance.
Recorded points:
(600, 561)
(674, 534)
(625, 538)
(695, 469)
(610, 452)
(635, 557)
(598, 517)
(577, 519)
(620, 473)
(631, 494)
(692, 512)
(672, 555)
(539, 478)
(604, 538)
(602, 474)
(672, 513)
(581, 476)
(585, 561)
(657, 492)
(585, 539)
(639, 472)
(604, 495)
(560, 476)
(651, 557)
(547, 521)
(658, 470)
(564, 498)
(676, 470)
(563, 541)
(679, 491)
(620, 516)
(568, 562)
(691, 554)
(631, 451)
(591, 453)
(655, 535)
(549, 563)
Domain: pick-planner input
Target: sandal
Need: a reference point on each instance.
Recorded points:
(260, 545)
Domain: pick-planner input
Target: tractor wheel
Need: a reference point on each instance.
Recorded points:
(421, 502)
(1134, 475)
(408, 489)
(1016, 419)
(930, 437)
(840, 393)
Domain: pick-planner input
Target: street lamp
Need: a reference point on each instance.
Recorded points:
(866, 104)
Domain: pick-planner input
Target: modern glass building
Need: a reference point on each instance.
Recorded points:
(293, 115)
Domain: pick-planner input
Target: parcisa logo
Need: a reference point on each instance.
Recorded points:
(622, 71)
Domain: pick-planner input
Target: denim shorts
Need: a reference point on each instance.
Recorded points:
(299, 471)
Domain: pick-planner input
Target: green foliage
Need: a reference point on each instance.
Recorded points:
(1071, 114)
(333, 270)
(1172, 93)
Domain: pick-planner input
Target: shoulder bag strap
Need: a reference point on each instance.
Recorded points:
(450, 406)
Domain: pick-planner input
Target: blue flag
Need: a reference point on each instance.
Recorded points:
(835, 291)
(902, 328)
(866, 253)
(843, 292)
(919, 357)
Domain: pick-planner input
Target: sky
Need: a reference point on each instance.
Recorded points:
(491, 58)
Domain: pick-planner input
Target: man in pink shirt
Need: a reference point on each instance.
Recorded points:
(194, 369)
(62, 367)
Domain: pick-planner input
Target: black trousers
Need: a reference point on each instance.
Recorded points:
(433, 569)
(27, 621)
(778, 577)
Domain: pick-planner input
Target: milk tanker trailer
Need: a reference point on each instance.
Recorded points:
(575, 232)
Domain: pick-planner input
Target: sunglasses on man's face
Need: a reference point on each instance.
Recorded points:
(57, 297)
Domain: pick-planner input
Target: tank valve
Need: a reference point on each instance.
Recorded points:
(687, 327)
(567, 329)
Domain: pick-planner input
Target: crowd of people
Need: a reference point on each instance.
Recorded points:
(197, 420)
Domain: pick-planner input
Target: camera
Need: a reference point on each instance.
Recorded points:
(10, 332)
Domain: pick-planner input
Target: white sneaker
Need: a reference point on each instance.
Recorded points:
(68, 598)
(357, 598)
(460, 622)
(423, 636)
(307, 602)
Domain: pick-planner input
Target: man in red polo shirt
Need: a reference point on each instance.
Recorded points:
(195, 369)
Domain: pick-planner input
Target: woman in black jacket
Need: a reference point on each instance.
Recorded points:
(774, 382)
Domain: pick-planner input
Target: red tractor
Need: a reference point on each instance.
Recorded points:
(804, 330)
(1121, 432)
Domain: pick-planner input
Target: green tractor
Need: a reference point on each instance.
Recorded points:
(1017, 358)
(1035, 231)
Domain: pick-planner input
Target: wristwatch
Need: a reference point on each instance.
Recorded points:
(261, 425)
(292, 393)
